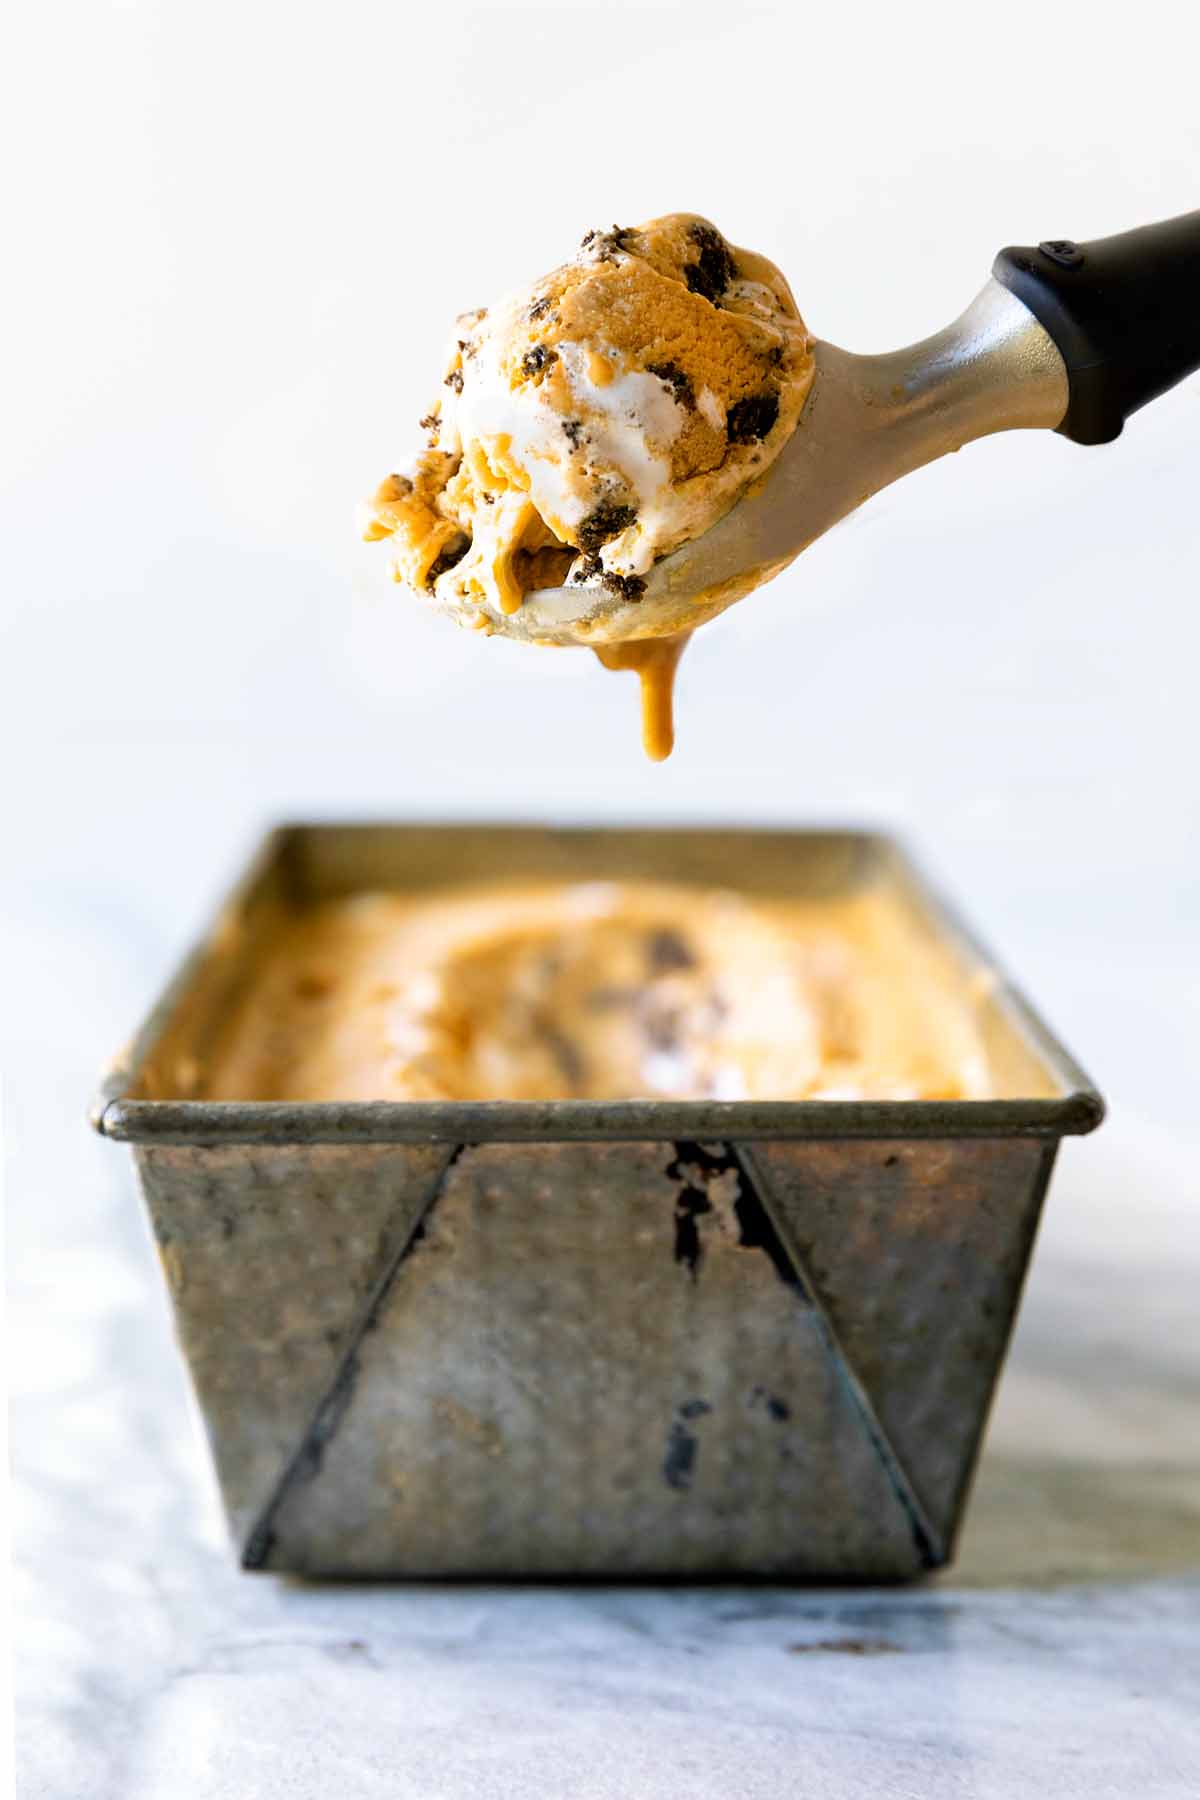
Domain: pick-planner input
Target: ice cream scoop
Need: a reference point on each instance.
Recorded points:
(1063, 336)
(590, 424)
(1066, 336)
(868, 421)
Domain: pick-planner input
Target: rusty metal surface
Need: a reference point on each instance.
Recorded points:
(625, 1360)
(271, 1257)
(631, 1339)
(579, 1370)
(918, 1252)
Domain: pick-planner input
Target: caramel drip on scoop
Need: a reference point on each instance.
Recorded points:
(655, 661)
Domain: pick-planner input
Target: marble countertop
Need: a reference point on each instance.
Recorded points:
(1060, 1655)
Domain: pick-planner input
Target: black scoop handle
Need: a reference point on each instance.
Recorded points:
(1124, 312)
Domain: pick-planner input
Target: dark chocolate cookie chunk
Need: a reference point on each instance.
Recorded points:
(447, 557)
(630, 587)
(667, 950)
(679, 383)
(715, 268)
(603, 246)
(605, 521)
(537, 359)
(752, 418)
(590, 568)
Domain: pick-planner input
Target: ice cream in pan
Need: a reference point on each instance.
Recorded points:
(588, 426)
(600, 990)
(618, 453)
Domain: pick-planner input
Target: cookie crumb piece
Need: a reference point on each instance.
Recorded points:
(630, 587)
(537, 359)
(605, 521)
(667, 950)
(605, 245)
(679, 383)
(590, 568)
(715, 268)
(446, 558)
(752, 417)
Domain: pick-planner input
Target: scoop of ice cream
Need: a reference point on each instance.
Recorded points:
(590, 424)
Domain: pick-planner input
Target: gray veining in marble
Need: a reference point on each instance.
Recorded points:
(1061, 1657)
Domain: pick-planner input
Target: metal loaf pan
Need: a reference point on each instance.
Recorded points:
(615, 1340)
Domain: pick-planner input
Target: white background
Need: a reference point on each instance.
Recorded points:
(241, 233)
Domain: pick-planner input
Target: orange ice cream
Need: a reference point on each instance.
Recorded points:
(599, 991)
(588, 426)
